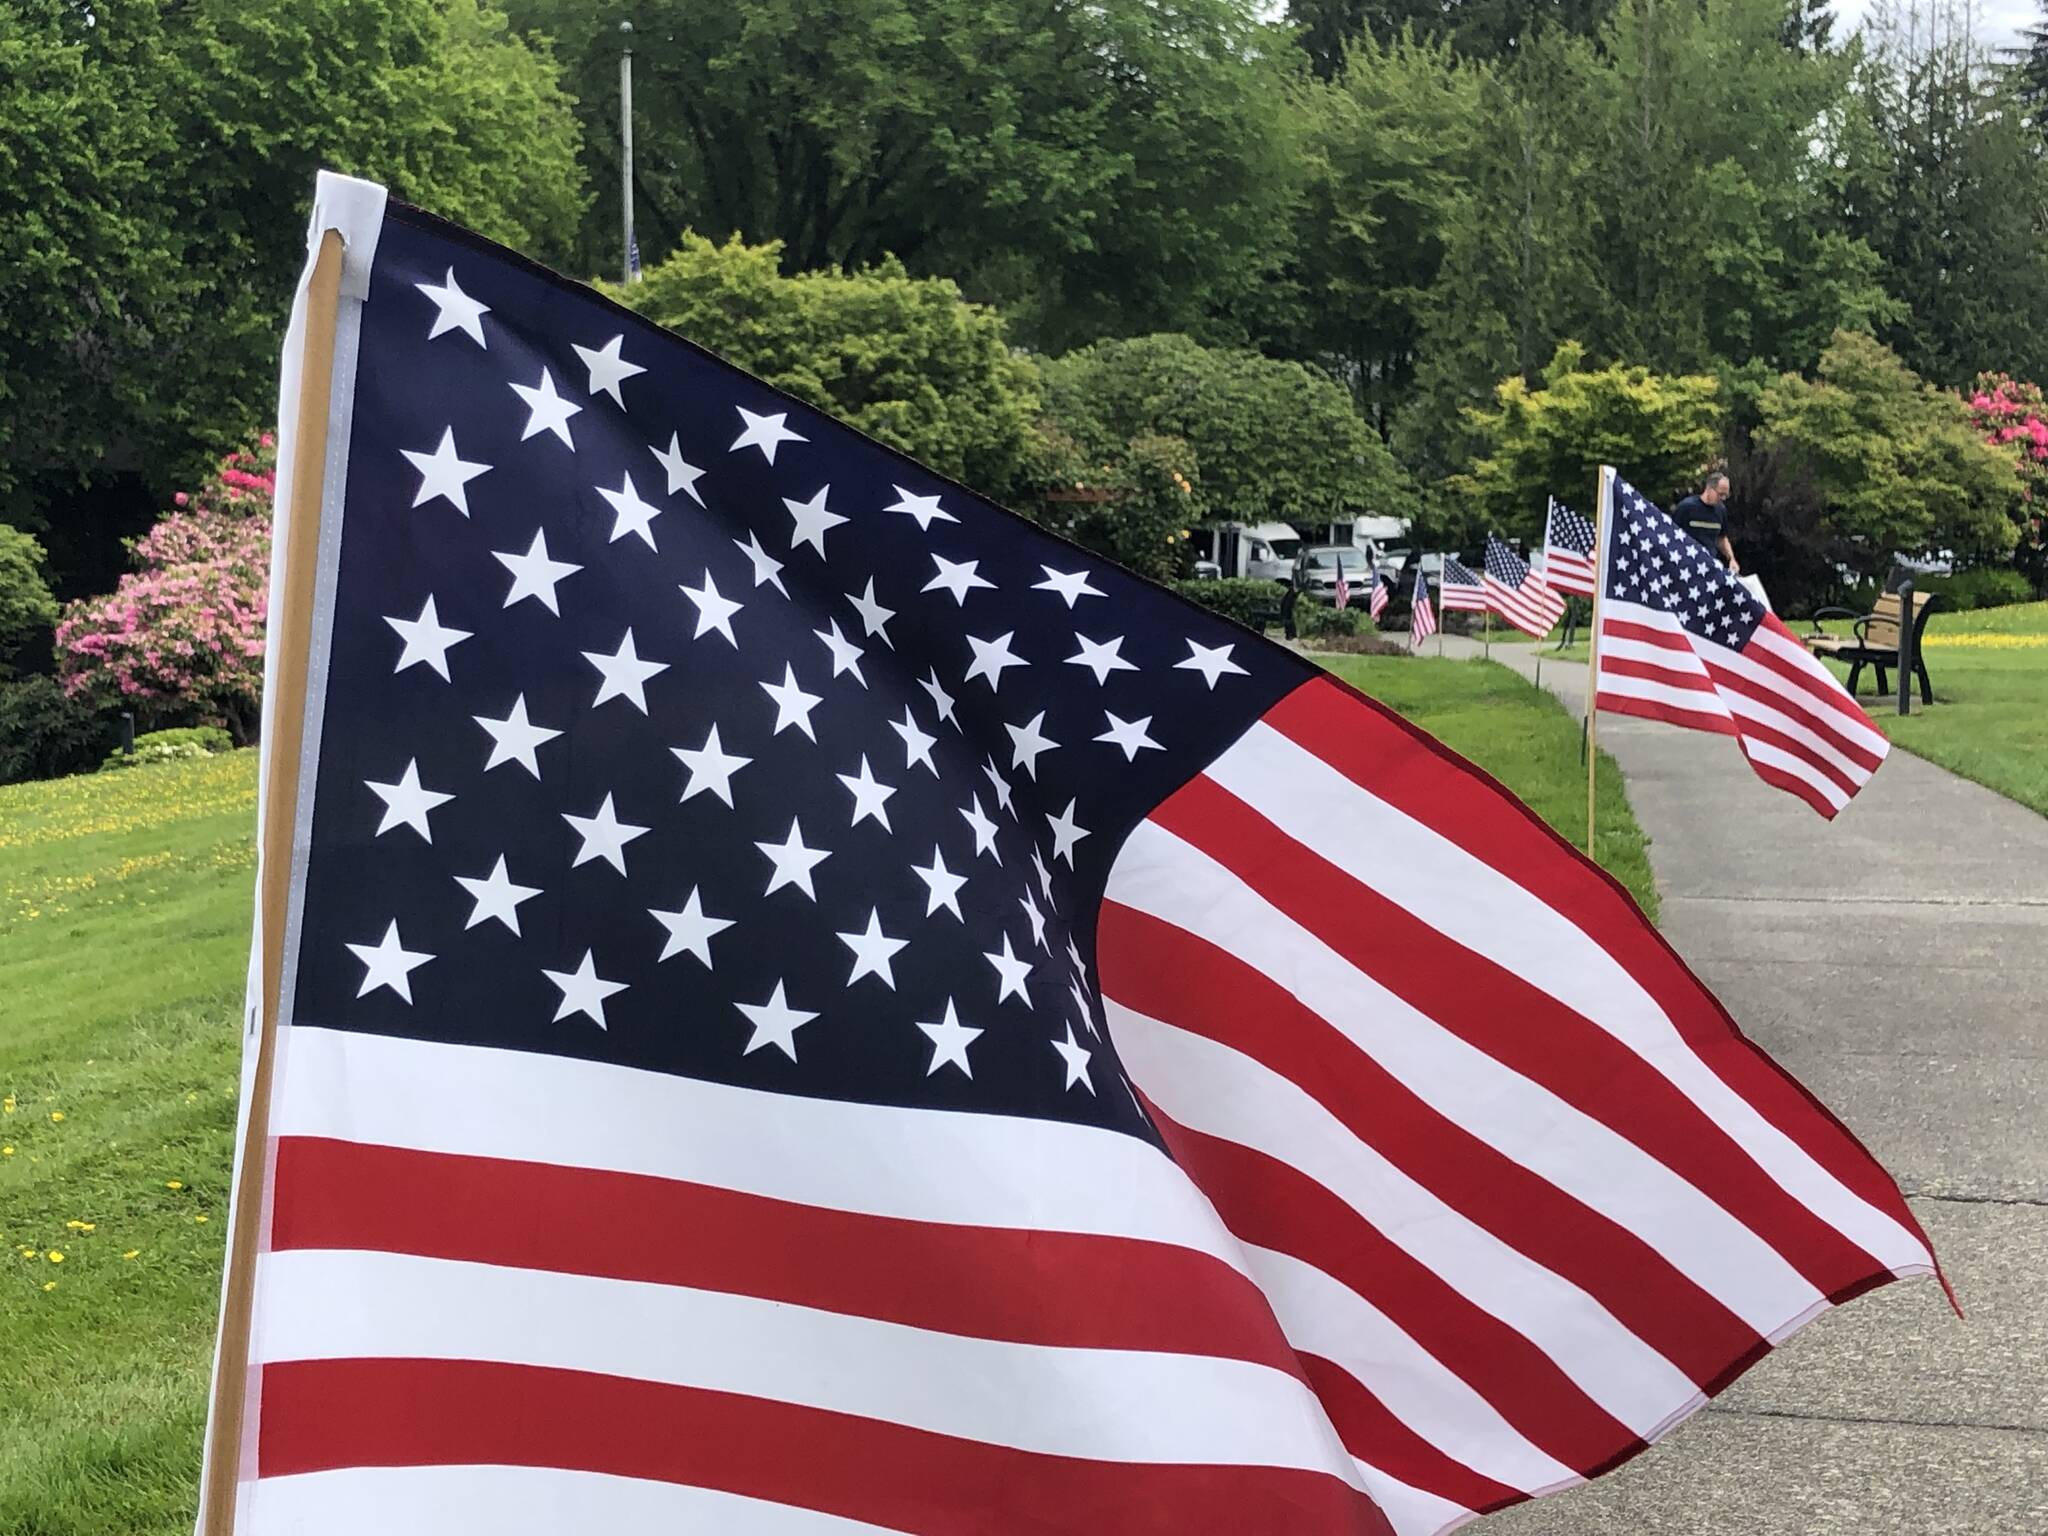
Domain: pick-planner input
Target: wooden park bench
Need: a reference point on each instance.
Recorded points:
(1875, 640)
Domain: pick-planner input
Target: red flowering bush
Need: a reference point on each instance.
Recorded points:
(182, 635)
(2016, 414)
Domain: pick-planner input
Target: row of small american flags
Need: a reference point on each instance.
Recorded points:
(816, 1007)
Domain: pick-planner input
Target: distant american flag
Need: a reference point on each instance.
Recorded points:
(1460, 589)
(1382, 592)
(1517, 593)
(1682, 640)
(1421, 617)
(1343, 593)
(1568, 551)
(817, 1007)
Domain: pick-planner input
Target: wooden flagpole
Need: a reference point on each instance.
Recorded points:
(1593, 644)
(290, 655)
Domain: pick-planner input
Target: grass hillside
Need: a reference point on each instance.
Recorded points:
(124, 911)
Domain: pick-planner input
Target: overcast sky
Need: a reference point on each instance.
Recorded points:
(1998, 21)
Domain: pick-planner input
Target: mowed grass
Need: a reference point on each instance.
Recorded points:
(1523, 737)
(124, 920)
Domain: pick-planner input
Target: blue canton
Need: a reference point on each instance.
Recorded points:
(1656, 563)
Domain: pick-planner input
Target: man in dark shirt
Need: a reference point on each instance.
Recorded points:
(1705, 517)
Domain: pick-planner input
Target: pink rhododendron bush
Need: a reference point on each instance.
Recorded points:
(2009, 411)
(181, 638)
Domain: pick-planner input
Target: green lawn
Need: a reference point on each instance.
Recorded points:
(124, 911)
(1520, 735)
(1990, 716)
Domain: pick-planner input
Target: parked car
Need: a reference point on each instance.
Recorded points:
(1395, 563)
(1315, 570)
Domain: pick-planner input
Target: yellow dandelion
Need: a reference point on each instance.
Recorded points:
(29, 1253)
(131, 1253)
(57, 1116)
(49, 1285)
(174, 1183)
(7, 1105)
(80, 1226)
(6, 1151)
(55, 1257)
(200, 1217)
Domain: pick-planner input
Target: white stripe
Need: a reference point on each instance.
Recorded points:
(1708, 704)
(916, 1164)
(1798, 767)
(1412, 1511)
(1099, 1404)
(1323, 1316)
(1524, 1121)
(1220, 1092)
(1768, 717)
(1473, 903)
(1851, 720)
(1836, 734)
(514, 1501)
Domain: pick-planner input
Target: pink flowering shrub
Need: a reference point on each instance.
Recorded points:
(2016, 414)
(182, 636)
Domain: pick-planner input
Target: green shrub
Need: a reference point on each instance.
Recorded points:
(172, 746)
(1987, 586)
(1315, 621)
(1251, 603)
(45, 733)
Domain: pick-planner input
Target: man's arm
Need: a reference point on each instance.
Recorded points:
(1728, 556)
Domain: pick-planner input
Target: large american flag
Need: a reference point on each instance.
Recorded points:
(1567, 551)
(1460, 590)
(817, 1007)
(1517, 593)
(1682, 640)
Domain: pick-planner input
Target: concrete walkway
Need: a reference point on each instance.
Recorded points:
(1896, 960)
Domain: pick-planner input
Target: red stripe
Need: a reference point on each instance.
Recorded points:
(1756, 730)
(1794, 707)
(1519, 1025)
(1384, 755)
(1791, 783)
(1375, 1434)
(1689, 680)
(1274, 1205)
(1654, 709)
(1168, 974)
(1815, 679)
(319, 1415)
(1647, 634)
(1031, 1287)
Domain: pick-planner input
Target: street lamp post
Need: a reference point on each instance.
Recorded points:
(632, 254)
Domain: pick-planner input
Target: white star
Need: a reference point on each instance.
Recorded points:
(1212, 661)
(766, 433)
(444, 473)
(870, 795)
(426, 639)
(991, 657)
(1027, 742)
(811, 521)
(625, 674)
(874, 618)
(1065, 834)
(941, 885)
(925, 509)
(793, 862)
(633, 514)
(711, 767)
(534, 574)
(917, 747)
(767, 569)
(873, 950)
(690, 930)
(1000, 784)
(406, 804)
(682, 475)
(388, 963)
(775, 1023)
(608, 369)
(714, 609)
(984, 830)
(546, 411)
(1012, 974)
(604, 836)
(1129, 735)
(1037, 920)
(1101, 658)
(514, 738)
(1081, 1002)
(1071, 585)
(942, 701)
(496, 896)
(792, 705)
(950, 1039)
(455, 310)
(583, 990)
(1075, 1055)
(956, 577)
(845, 654)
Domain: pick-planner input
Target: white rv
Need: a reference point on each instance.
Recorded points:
(1261, 551)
